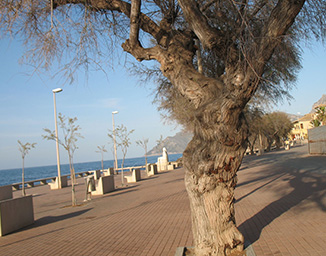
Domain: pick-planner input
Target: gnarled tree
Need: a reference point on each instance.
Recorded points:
(252, 43)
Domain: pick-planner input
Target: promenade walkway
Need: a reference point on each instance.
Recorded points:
(281, 202)
(280, 208)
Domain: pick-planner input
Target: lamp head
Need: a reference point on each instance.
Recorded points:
(115, 112)
(57, 90)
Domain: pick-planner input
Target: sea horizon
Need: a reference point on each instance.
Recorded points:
(14, 175)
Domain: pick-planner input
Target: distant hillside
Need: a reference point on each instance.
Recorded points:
(174, 145)
(294, 117)
(321, 101)
(177, 143)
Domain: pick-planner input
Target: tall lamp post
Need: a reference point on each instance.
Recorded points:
(56, 135)
(114, 142)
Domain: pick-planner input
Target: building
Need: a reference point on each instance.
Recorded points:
(301, 126)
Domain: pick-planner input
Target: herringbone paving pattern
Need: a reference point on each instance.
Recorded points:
(280, 208)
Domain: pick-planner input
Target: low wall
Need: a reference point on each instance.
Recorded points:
(105, 184)
(5, 192)
(152, 169)
(45, 181)
(317, 140)
(109, 171)
(96, 174)
(55, 184)
(15, 214)
(134, 177)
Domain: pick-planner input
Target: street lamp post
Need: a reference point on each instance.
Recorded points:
(115, 143)
(56, 135)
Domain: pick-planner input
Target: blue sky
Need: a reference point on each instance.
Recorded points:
(26, 107)
(311, 82)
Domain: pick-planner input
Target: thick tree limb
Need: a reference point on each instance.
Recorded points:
(134, 22)
(282, 17)
(141, 53)
(208, 36)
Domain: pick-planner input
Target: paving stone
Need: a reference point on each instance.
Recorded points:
(280, 208)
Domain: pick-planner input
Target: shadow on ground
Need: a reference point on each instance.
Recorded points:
(305, 175)
(52, 219)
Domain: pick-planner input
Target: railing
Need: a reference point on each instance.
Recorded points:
(45, 181)
(132, 167)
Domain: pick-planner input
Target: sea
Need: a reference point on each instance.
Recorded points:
(10, 176)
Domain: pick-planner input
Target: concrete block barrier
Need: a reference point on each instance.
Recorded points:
(55, 185)
(134, 177)
(15, 214)
(5, 192)
(104, 185)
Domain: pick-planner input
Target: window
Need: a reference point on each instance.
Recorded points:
(301, 126)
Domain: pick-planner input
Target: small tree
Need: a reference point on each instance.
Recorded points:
(101, 150)
(254, 119)
(315, 123)
(24, 149)
(143, 143)
(321, 114)
(276, 127)
(71, 135)
(122, 134)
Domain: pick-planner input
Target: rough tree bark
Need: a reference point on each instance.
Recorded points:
(213, 156)
(212, 161)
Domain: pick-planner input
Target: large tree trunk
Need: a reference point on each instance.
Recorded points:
(213, 156)
(212, 160)
(214, 107)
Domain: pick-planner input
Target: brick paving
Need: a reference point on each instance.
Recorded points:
(280, 208)
(281, 202)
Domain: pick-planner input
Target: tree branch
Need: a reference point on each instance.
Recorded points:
(281, 18)
(141, 53)
(243, 8)
(209, 37)
(145, 22)
(134, 22)
(207, 5)
(257, 8)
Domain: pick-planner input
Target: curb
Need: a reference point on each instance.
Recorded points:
(249, 250)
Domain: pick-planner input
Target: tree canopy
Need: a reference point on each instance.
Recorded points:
(276, 127)
(250, 37)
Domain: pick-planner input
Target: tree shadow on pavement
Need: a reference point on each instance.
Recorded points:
(52, 219)
(304, 175)
(118, 192)
(45, 221)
